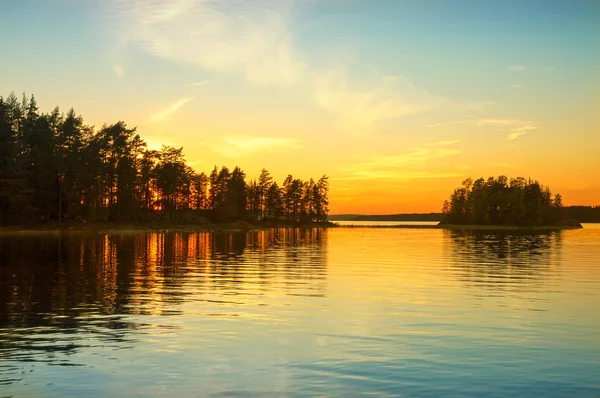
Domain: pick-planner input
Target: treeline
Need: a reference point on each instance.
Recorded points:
(400, 217)
(583, 213)
(387, 217)
(53, 167)
(500, 201)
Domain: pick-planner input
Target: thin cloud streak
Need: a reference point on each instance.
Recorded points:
(402, 166)
(514, 124)
(519, 131)
(440, 124)
(360, 105)
(443, 143)
(200, 83)
(157, 117)
(497, 122)
(391, 175)
(514, 136)
(236, 146)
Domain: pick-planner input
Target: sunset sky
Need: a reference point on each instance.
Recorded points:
(396, 101)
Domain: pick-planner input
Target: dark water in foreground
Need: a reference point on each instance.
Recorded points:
(341, 312)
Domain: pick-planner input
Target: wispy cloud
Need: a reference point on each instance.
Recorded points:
(497, 122)
(252, 37)
(519, 131)
(484, 122)
(118, 69)
(519, 85)
(236, 146)
(519, 68)
(443, 143)
(199, 83)
(516, 127)
(159, 116)
(515, 135)
(359, 105)
(449, 123)
(411, 164)
(395, 175)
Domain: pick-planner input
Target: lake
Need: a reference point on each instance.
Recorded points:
(295, 313)
(385, 223)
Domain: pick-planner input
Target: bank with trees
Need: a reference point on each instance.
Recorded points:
(500, 201)
(55, 168)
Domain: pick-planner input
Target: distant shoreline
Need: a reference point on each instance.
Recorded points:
(470, 227)
(108, 228)
(584, 214)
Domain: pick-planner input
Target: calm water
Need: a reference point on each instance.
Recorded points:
(340, 312)
(370, 223)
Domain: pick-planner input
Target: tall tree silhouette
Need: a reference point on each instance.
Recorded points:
(53, 167)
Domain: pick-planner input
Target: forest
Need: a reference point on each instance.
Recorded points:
(500, 201)
(54, 168)
(584, 214)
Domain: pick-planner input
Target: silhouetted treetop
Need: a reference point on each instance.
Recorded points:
(500, 201)
(54, 167)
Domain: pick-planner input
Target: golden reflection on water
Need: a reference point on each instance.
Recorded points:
(296, 309)
(143, 274)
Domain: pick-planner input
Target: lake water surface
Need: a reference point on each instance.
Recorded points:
(293, 313)
(385, 223)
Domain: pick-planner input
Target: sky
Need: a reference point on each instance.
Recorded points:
(396, 101)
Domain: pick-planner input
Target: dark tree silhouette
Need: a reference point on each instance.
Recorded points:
(500, 201)
(583, 213)
(53, 167)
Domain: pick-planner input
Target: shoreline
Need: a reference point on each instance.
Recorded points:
(472, 227)
(242, 226)
(121, 228)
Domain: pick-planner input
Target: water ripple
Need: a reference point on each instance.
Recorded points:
(343, 312)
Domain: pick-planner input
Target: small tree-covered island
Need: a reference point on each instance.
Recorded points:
(506, 203)
(54, 169)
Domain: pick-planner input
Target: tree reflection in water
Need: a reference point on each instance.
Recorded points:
(60, 294)
(500, 260)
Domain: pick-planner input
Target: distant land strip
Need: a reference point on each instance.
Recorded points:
(473, 227)
(387, 217)
(583, 214)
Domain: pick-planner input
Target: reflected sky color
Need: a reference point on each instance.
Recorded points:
(396, 101)
(287, 312)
